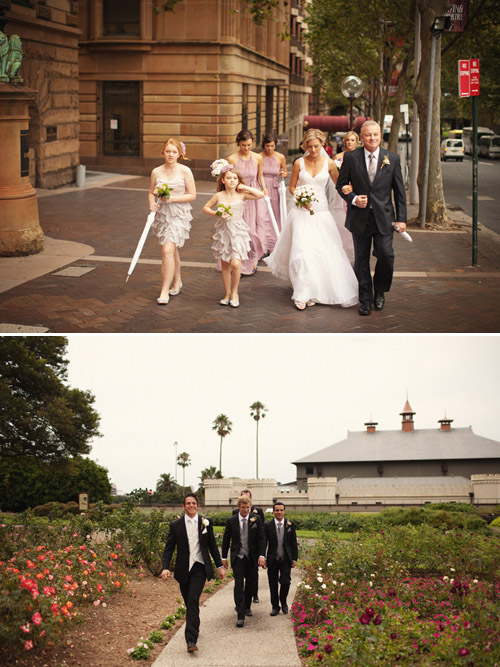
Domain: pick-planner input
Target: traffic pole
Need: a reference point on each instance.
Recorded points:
(474, 181)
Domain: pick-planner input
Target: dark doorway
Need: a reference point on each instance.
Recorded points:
(121, 117)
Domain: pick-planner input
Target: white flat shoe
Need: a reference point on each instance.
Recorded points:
(162, 302)
(310, 303)
(175, 292)
(234, 303)
(300, 305)
(224, 302)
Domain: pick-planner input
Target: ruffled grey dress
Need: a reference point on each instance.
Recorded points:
(173, 221)
(232, 236)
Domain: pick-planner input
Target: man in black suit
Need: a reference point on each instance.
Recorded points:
(245, 540)
(259, 512)
(282, 555)
(374, 174)
(193, 535)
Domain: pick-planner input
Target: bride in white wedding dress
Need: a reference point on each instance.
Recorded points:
(309, 249)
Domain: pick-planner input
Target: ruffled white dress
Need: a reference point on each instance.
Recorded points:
(232, 235)
(309, 250)
(173, 221)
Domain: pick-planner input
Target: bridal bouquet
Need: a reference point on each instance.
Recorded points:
(163, 190)
(221, 209)
(216, 167)
(303, 195)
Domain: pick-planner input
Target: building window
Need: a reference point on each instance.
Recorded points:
(309, 470)
(121, 17)
(244, 106)
(121, 117)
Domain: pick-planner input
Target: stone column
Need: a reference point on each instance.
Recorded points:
(20, 231)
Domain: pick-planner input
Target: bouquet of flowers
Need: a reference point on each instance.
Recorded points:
(216, 167)
(303, 195)
(221, 209)
(163, 190)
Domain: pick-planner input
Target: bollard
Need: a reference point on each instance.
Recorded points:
(80, 176)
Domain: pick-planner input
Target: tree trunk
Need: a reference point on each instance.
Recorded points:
(435, 212)
(403, 83)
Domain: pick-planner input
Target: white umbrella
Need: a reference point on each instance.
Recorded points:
(271, 215)
(141, 243)
(282, 193)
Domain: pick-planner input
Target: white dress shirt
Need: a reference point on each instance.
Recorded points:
(195, 555)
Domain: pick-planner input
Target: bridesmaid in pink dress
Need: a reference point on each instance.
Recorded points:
(273, 168)
(255, 214)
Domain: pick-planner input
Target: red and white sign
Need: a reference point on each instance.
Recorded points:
(474, 77)
(464, 78)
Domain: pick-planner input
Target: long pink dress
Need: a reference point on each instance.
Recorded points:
(255, 215)
(271, 170)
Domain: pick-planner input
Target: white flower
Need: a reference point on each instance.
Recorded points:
(475, 581)
(216, 167)
(320, 579)
(334, 582)
(372, 576)
(452, 569)
(323, 586)
(452, 580)
(307, 587)
(205, 522)
(370, 583)
(329, 564)
(445, 578)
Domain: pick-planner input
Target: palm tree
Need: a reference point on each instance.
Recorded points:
(223, 425)
(184, 461)
(257, 410)
(166, 483)
(210, 473)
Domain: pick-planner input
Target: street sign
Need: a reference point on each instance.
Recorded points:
(474, 77)
(463, 78)
(405, 111)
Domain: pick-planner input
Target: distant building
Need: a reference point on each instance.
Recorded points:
(409, 452)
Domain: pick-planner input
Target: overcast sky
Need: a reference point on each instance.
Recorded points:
(152, 391)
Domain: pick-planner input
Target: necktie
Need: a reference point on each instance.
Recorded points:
(372, 168)
(280, 551)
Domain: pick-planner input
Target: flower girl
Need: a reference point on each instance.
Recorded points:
(172, 188)
(232, 234)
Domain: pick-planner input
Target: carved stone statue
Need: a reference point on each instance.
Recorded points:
(4, 57)
(15, 59)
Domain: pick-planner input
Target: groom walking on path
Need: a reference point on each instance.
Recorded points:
(374, 174)
(282, 555)
(195, 541)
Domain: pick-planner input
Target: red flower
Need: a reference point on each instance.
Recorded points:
(36, 618)
(28, 645)
(463, 651)
(377, 620)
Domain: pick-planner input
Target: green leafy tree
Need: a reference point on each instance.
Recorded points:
(26, 483)
(257, 412)
(40, 416)
(210, 473)
(166, 483)
(223, 425)
(184, 461)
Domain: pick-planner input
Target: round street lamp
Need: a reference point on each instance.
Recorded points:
(351, 87)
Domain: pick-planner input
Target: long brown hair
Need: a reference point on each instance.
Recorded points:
(221, 185)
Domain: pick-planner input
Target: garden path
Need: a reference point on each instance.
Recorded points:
(264, 641)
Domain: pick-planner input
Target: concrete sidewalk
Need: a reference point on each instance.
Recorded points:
(264, 641)
(77, 284)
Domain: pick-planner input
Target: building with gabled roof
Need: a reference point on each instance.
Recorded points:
(408, 452)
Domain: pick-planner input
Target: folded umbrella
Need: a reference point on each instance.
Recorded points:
(282, 193)
(271, 215)
(141, 243)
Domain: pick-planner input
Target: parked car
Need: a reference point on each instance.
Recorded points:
(452, 149)
(489, 146)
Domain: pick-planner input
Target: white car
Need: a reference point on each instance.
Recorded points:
(452, 149)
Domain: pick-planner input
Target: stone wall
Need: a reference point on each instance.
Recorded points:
(49, 34)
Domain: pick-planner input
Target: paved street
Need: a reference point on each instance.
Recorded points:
(78, 283)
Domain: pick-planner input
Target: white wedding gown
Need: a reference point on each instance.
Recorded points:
(309, 250)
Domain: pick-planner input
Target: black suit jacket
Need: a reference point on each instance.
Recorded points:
(256, 538)
(291, 548)
(388, 180)
(177, 537)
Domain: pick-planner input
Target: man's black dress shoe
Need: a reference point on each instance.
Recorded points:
(255, 598)
(365, 309)
(274, 611)
(284, 608)
(248, 612)
(379, 300)
(192, 647)
(240, 622)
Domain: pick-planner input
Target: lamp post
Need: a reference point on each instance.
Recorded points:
(441, 23)
(175, 466)
(351, 87)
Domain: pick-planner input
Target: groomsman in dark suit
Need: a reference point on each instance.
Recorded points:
(244, 539)
(193, 535)
(375, 176)
(282, 555)
(253, 511)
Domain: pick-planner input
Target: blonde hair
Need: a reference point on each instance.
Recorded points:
(310, 135)
(221, 185)
(244, 500)
(178, 144)
(351, 133)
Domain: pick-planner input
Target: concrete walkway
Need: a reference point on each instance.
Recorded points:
(264, 641)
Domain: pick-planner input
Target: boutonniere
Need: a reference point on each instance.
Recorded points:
(385, 161)
(288, 524)
(205, 523)
(252, 522)
(254, 511)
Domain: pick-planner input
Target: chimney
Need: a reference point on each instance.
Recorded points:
(445, 424)
(407, 425)
(371, 426)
